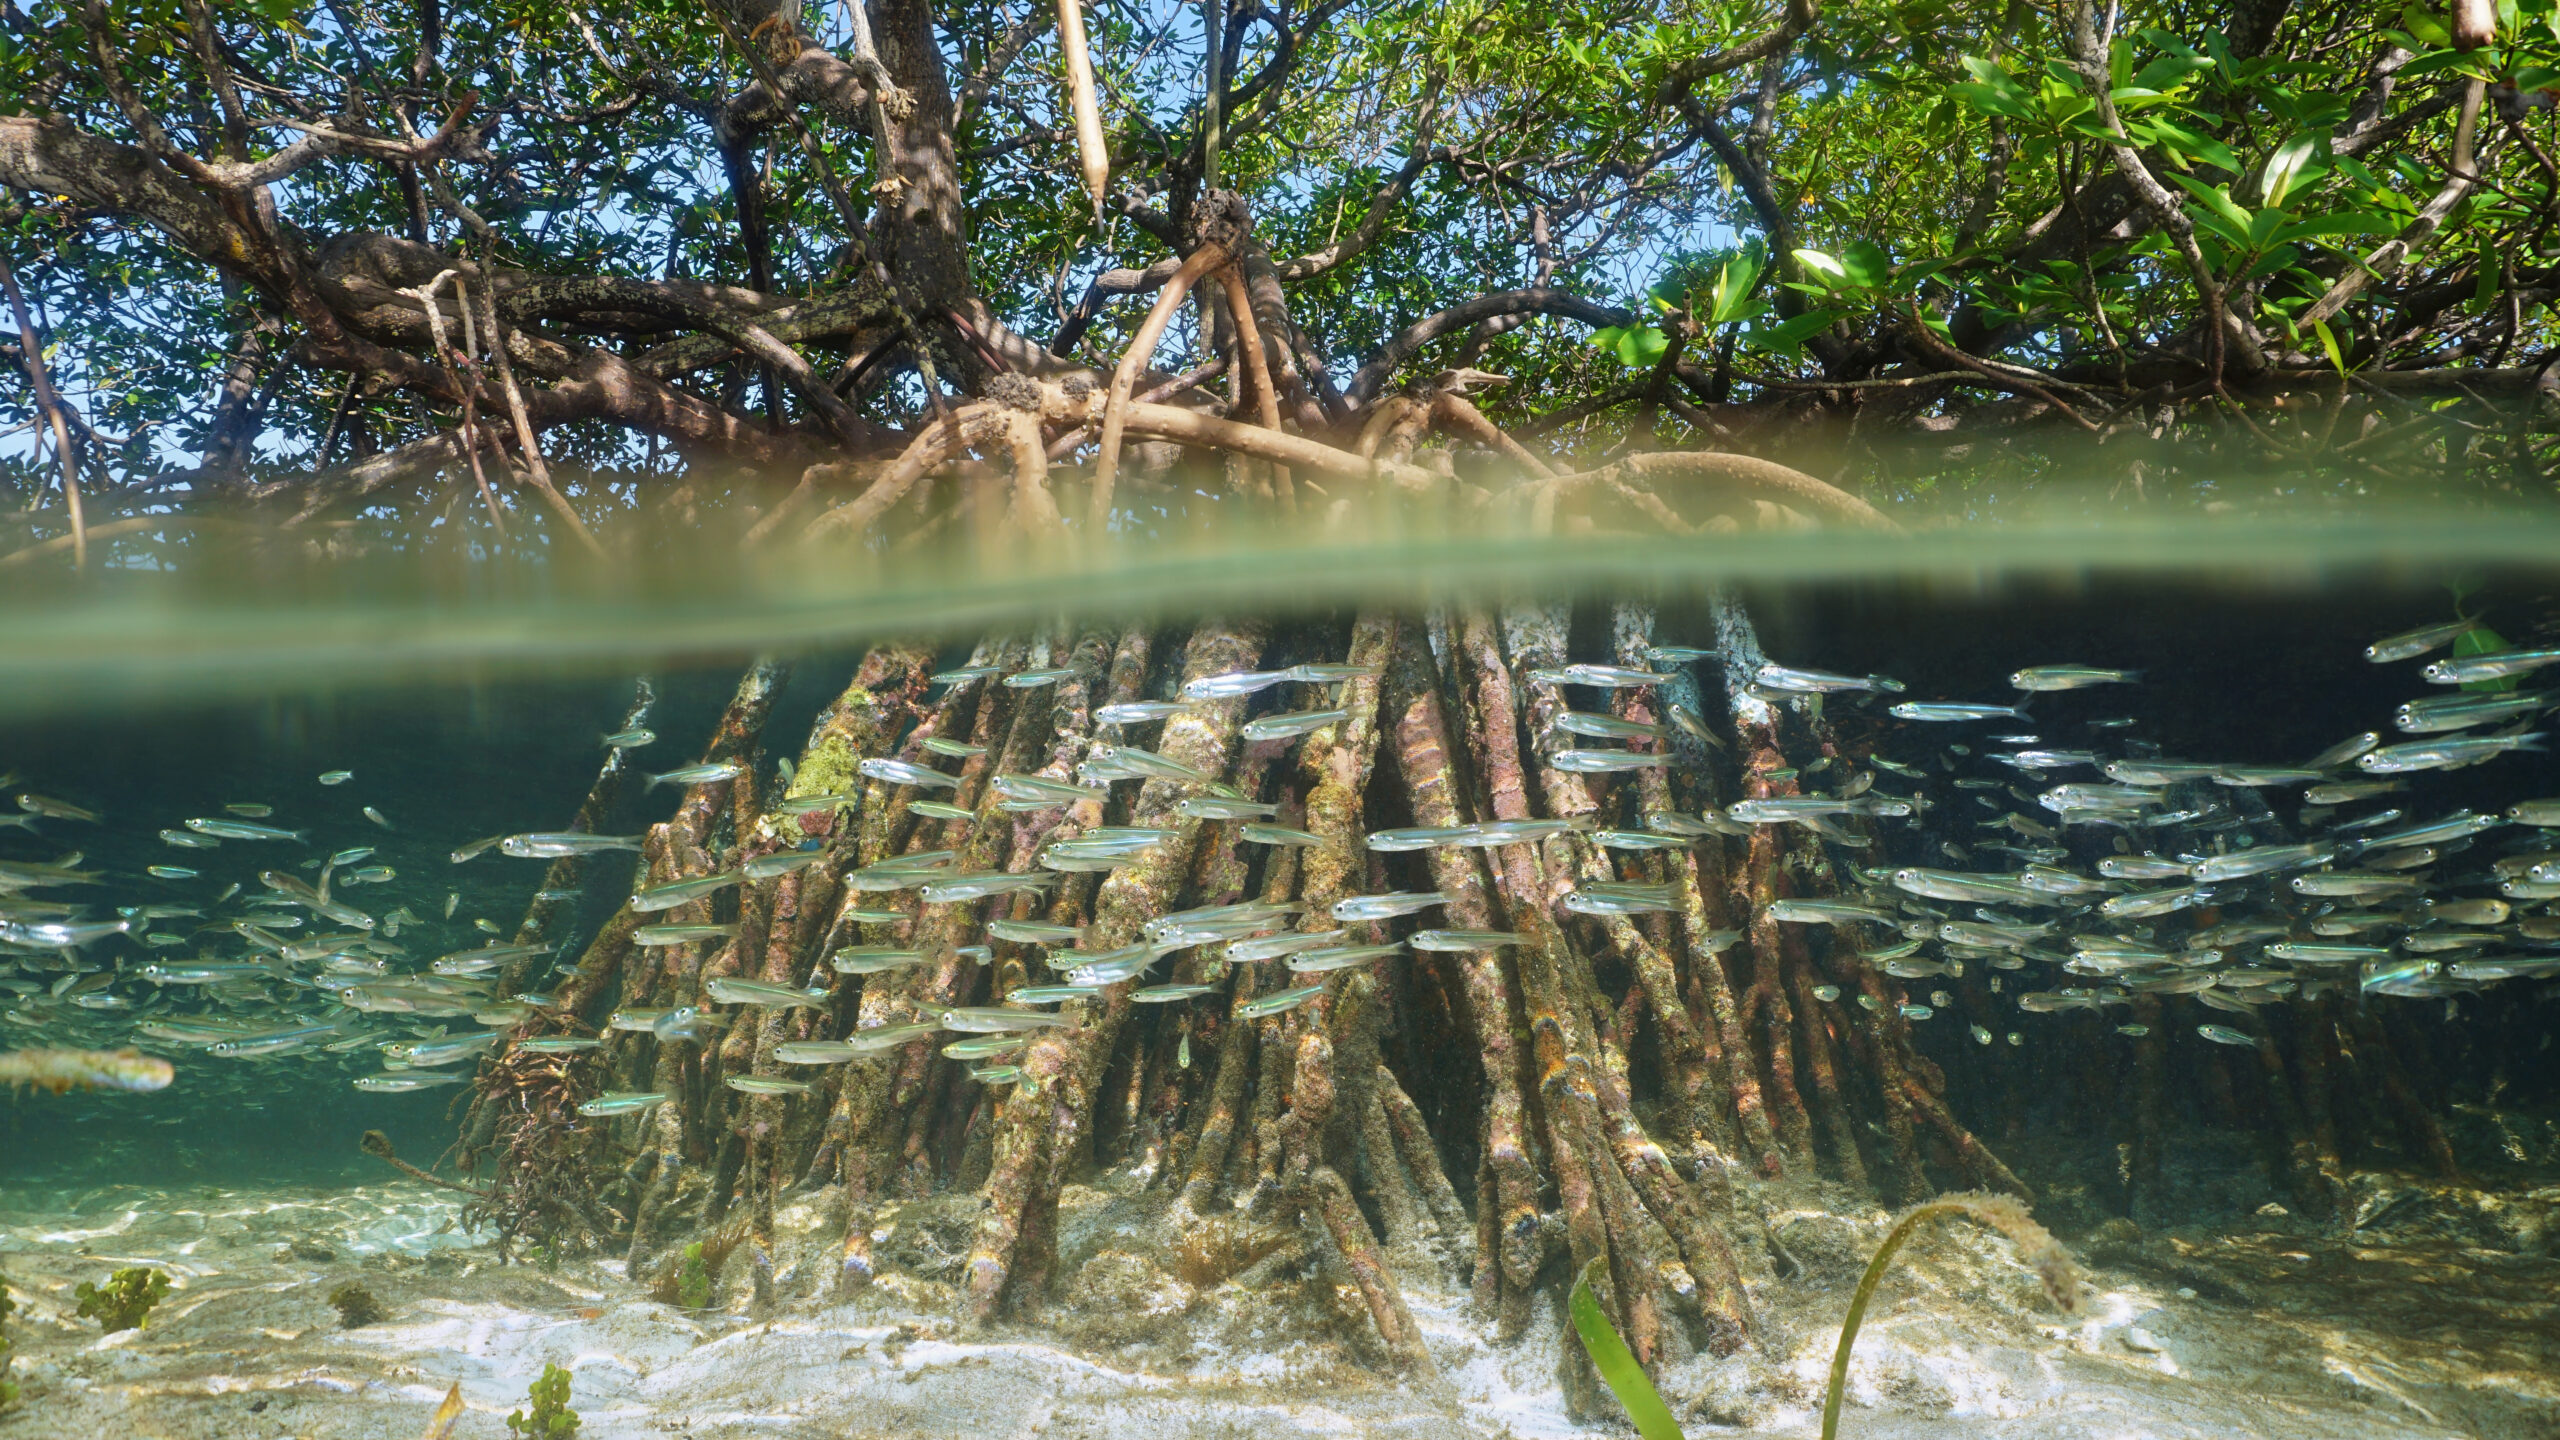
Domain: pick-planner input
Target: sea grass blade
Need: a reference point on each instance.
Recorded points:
(1617, 1365)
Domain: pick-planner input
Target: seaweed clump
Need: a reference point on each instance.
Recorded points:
(356, 1305)
(125, 1301)
(551, 1418)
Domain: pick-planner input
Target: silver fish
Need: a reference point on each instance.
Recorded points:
(1233, 684)
(243, 830)
(2445, 754)
(907, 772)
(1602, 677)
(709, 774)
(2070, 677)
(1956, 710)
(623, 1102)
(1278, 1002)
(1604, 762)
(1292, 723)
(681, 934)
(1821, 682)
(556, 844)
(2496, 665)
(1387, 906)
(2410, 644)
(1140, 712)
(677, 892)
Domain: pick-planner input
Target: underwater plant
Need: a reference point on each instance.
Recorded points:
(8, 1387)
(1616, 1363)
(125, 1300)
(2004, 1213)
(551, 1417)
(693, 1282)
(356, 1305)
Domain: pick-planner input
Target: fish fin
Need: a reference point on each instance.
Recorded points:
(440, 1425)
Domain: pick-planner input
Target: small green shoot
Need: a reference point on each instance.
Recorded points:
(552, 1419)
(2004, 1213)
(1617, 1364)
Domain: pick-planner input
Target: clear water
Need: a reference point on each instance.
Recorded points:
(473, 708)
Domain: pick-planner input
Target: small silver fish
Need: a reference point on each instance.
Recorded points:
(2410, 644)
(624, 1102)
(1140, 712)
(2070, 677)
(1292, 723)
(1278, 1002)
(711, 774)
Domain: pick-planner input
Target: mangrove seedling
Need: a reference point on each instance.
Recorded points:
(552, 1419)
(125, 1300)
(1617, 1364)
(356, 1305)
(693, 1285)
(2004, 1213)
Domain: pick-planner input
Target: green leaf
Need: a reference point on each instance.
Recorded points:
(1823, 268)
(2345, 222)
(1866, 265)
(1992, 101)
(1734, 281)
(2193, 144)
(2295, 161)
(2421, 23)
(1636, 346)
(2329, 346)
(1617, 1364)
(1788, 336)
(2215, 198)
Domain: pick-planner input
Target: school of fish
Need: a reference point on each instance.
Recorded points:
(2071, 872)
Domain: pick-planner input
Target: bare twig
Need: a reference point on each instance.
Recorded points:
(49, 401)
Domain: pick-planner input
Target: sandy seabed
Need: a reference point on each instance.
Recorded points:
(2444, 1324)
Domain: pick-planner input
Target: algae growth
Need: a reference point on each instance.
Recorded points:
(126, 1300)
(550, 1417)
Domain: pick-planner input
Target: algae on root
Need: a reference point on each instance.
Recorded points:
(2004, 1213)
(552, 1418)
(125, 1300)
(356, 1305)
(1617, 1364)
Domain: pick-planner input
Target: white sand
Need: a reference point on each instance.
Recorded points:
(2419, 1341)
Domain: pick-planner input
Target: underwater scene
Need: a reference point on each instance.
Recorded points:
(1308, 719)
(1295, 1020)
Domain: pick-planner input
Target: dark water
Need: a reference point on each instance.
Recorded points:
(2234, 672)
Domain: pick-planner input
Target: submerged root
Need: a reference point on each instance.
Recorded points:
(1610, 1061)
